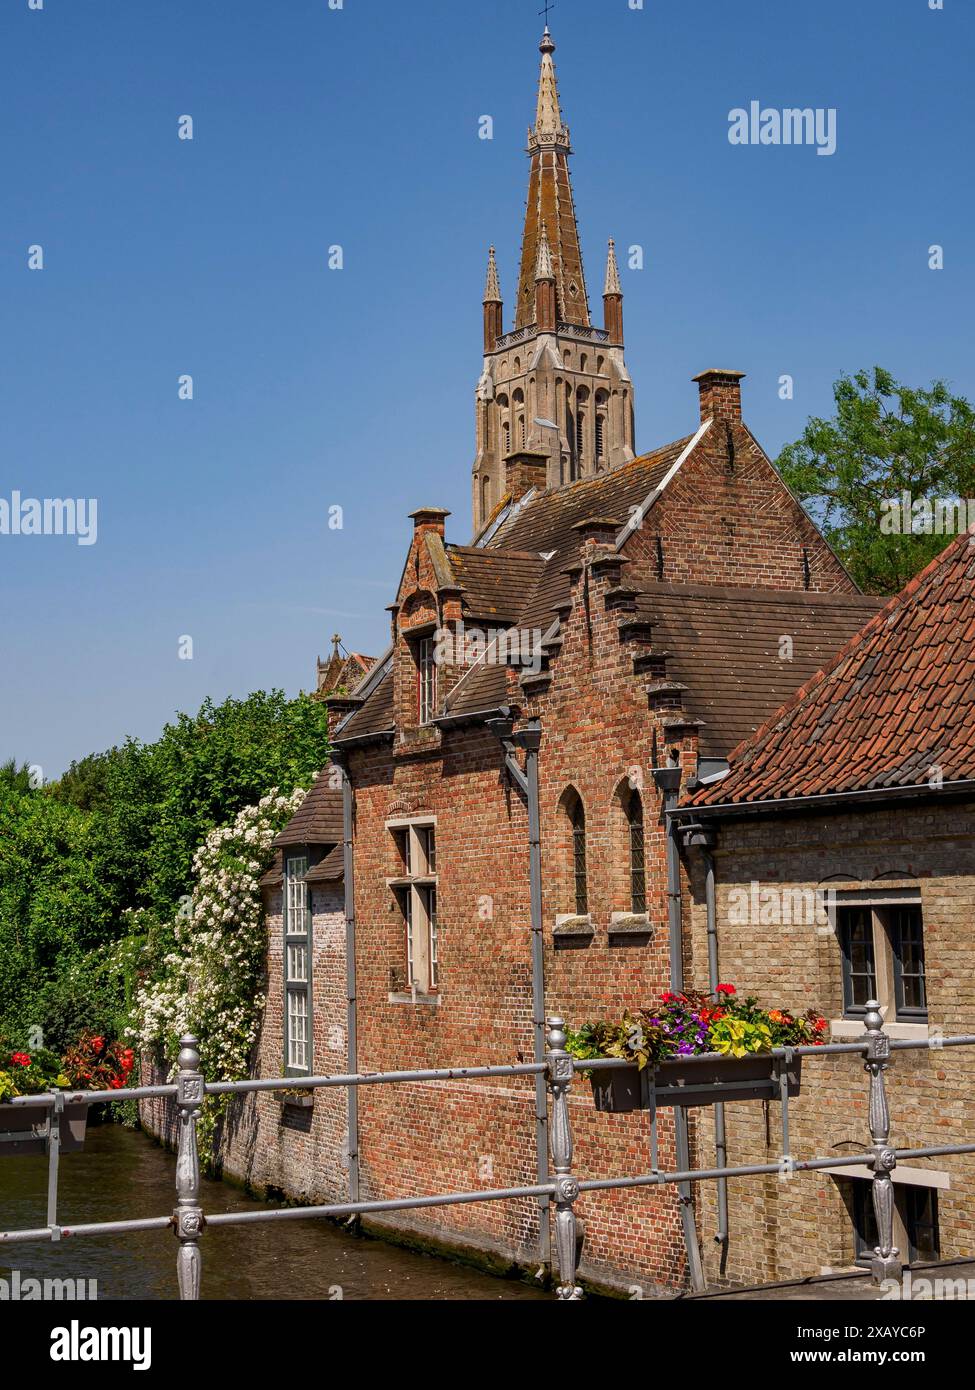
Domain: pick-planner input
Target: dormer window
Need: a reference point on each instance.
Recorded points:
(426, 680)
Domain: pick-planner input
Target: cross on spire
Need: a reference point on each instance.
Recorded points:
(549, 5)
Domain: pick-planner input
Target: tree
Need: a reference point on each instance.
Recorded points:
(14, 778)
(118, 832)
(852, 472)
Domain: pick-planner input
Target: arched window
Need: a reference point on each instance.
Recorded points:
(506, 438)
(577, 863)
(600, 437)
(522, 434)
(485, 497)
(580, 434)
(583, 362)
(637, 867)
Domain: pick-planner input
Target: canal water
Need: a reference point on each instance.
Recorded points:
(122, 1174)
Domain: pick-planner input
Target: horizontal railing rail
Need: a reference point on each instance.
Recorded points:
(190, 1089)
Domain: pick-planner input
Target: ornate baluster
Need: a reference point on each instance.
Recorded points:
(886, 1257)
(188, 1219)
(560, 1074)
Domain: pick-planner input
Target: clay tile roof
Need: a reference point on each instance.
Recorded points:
(318, 820)
(897, 702)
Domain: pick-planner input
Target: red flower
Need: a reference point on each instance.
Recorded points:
(98, 1042)
(666, 997)
(21, 1059)
(726, 989)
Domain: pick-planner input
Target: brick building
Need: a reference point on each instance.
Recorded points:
(498, 818)
(858, 797)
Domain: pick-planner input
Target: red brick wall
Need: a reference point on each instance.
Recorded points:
(725, 520)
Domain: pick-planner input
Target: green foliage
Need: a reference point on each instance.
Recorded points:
(14, 778)
(885, 439)
(117, 834)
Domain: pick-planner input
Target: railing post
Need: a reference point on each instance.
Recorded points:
(560, 1074)
(886, 1262)
(188, 1219)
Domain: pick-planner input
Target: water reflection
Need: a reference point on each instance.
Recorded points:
(122, 1174)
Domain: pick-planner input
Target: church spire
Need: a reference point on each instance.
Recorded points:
(546, 314)
(493, 307)
(548, 114)
(550, 206)
(613, 297)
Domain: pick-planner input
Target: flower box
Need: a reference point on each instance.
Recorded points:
(685, 1082)
(24, 1128)
(301, 1100)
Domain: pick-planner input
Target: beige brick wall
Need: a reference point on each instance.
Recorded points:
(790, 1228)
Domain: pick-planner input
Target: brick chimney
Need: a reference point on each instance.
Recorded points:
(720, 395)
(523, 470)
(429, 519)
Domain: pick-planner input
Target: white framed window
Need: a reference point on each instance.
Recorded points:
(426, 680)
(297, 967)
(415, 887)
(881, 941)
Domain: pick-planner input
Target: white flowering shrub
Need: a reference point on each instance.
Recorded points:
(210, 984)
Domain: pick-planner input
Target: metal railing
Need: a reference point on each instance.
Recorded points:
(189, 1221)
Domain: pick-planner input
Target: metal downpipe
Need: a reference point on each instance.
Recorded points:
(720, 1132)
(532, 740)
(351, 1021)
(526, 781)
(668, 779)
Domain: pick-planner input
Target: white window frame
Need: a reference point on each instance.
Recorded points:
(875, 900)
(415, 887)
(296, 967)
(426, 680)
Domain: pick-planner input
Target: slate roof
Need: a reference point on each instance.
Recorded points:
(546, 523)
(318, 820)
(331, 869)
(495, 582)
(375, 716)
(725, 645)
(725, 642)
(895, 703)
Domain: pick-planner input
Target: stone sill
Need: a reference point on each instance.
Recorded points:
(630, 924)
(302, 1102)
(407, 997)
(847, 1029)
(569, 924)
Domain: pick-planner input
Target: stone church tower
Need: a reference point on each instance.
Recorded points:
(555, 401)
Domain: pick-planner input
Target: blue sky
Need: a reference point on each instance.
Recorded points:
(354, 388)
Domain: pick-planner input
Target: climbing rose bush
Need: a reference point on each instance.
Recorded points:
(211, 983)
